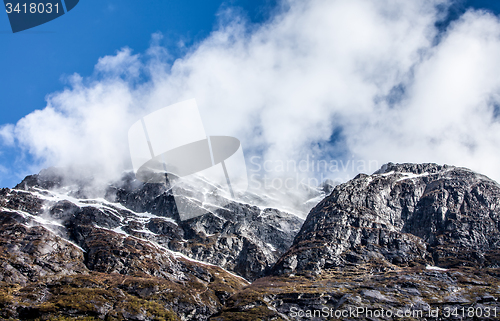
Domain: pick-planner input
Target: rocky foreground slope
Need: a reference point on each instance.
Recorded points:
(410, 242)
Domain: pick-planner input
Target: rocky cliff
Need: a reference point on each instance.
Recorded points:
(127, 255)
(240, 237)
(404, 214)
(410, 240)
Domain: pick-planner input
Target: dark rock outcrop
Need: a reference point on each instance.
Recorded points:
(404, 214)
(127, 256)
(241, 238)
(64, 260)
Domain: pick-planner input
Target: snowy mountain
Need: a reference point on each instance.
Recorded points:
(54, 230)
(410, 237)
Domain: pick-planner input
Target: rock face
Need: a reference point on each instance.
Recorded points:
(55, 235)
(56, 261)
(406, 215)
(240, 237)
(412, 242)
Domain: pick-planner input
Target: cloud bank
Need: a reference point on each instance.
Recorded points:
(339, 80)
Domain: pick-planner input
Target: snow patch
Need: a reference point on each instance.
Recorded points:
(271, 247)
(434, 268)
(180, 255)
(43, 222)
(144, 231)
(99, 203)
(119, 230)
(35, 218)
(412, 175)
(385, 174)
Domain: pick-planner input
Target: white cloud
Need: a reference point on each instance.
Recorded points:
(121, 64)
(7, 134)
(285, 86)
(448, 113)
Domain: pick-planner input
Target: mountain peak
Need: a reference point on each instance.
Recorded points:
(402, 214)
(412, 168)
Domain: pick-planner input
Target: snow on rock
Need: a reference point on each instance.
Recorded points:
(434, 268)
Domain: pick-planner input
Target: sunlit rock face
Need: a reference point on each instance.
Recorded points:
(411, 241)
(404, 214)
(240, 237)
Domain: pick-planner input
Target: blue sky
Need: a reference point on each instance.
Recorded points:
(36, 62)
(39, 61)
